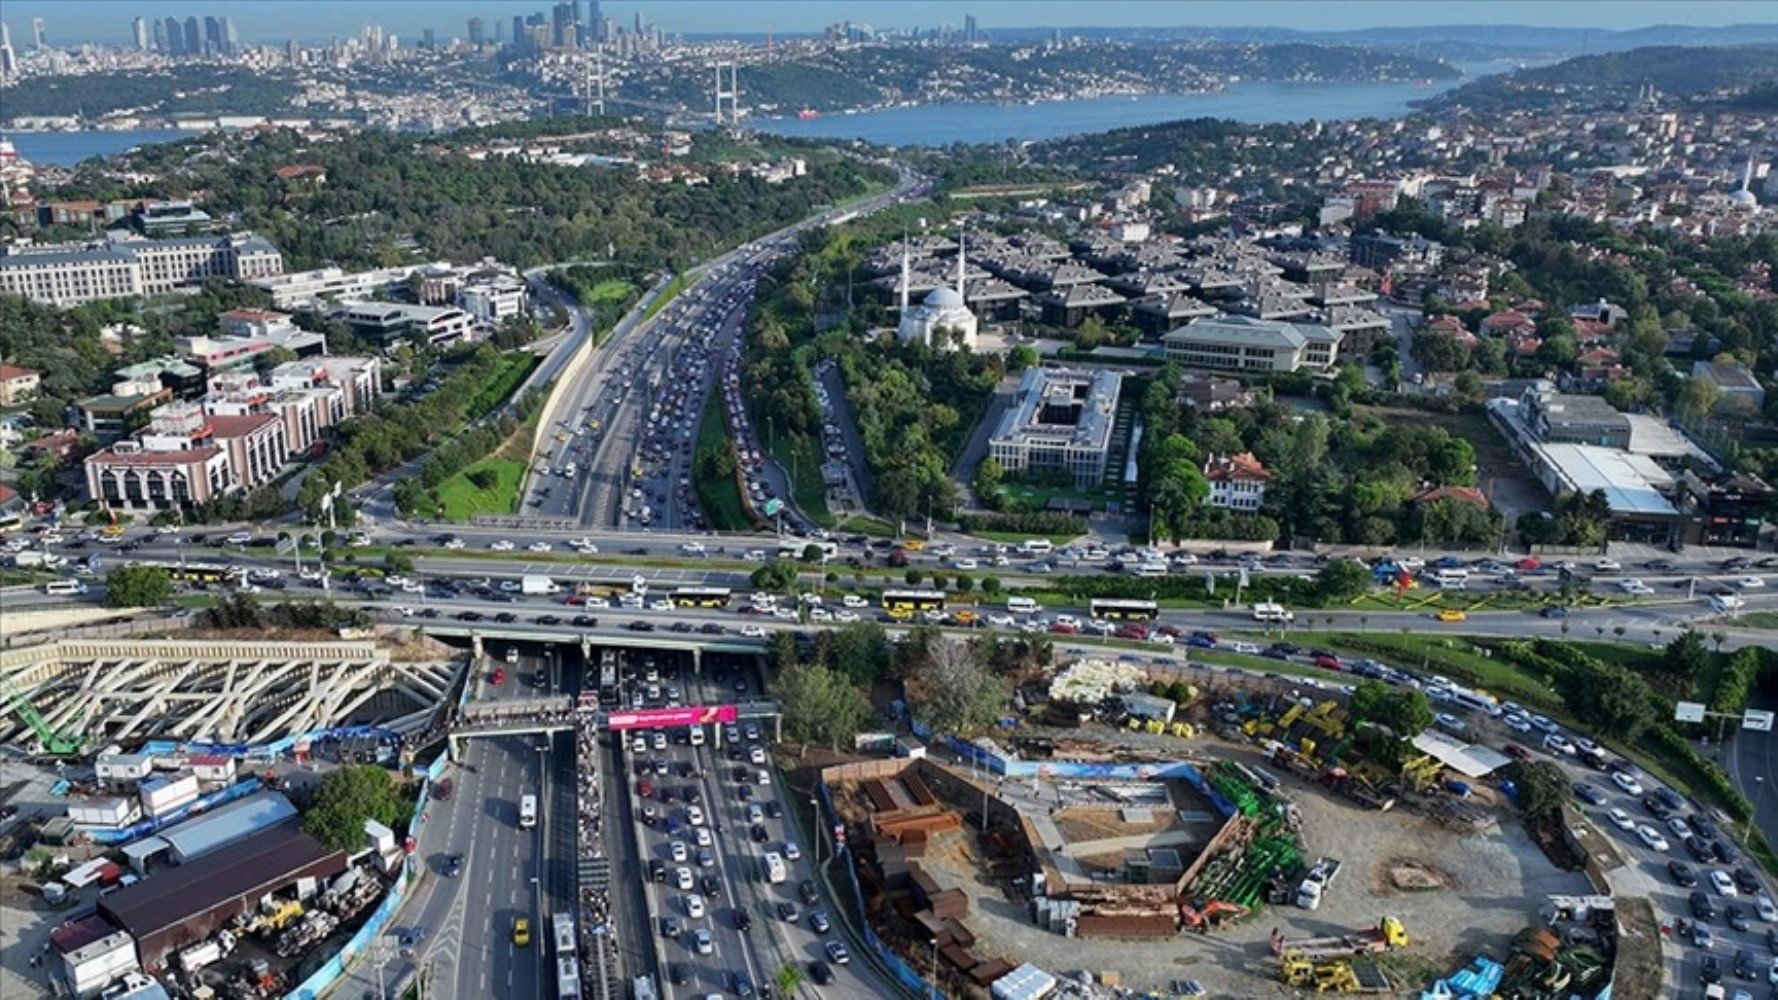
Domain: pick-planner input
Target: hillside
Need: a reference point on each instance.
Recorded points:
(1614, 77)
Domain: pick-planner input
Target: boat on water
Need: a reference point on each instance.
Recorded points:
(807, 113)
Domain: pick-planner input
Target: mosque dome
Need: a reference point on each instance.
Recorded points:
(1744, 198)
(945, 298)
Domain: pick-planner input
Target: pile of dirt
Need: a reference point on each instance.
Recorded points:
(1411, 875)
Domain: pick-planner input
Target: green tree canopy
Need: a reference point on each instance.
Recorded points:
(138, 586)
(346, 798)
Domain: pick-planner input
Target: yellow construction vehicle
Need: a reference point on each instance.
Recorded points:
(1332, 975)
(274, 915)
(1422, 772)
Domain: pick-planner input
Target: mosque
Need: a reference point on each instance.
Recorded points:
(943, 310)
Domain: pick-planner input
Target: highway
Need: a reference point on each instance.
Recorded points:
(626, 421)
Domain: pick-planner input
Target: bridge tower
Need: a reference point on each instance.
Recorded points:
(730, 93)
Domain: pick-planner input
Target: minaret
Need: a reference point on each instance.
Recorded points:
(1747, 175)
(906, 276)
(960, 259)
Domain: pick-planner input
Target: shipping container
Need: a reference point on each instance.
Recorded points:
(107, 813)
(121, 767)
(162, 796)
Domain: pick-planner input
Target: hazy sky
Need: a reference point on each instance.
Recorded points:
(66, 21)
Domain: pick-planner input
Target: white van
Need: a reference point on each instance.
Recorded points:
(1022, 606)
(776, 871)
(1150, 569)
(1036, 547)
(697, 736)
(1267, 611)
(1726, 603)
(1451, 579)
(64, 588)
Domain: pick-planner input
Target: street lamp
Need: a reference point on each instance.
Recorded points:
(932, 984)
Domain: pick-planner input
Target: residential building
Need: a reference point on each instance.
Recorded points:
(1059, 419)
(174, 463)
(491, 301)
(1211, 393)
(1740, 392)
(18, 384)
(119, 267)
(1243, 343)
(306, 288)
(1379, 251)
(248, 334)
(1237, 482)
(1565, 418)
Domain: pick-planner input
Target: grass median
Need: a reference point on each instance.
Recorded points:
(719, 493)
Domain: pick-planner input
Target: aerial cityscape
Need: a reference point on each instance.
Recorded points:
(831, 500)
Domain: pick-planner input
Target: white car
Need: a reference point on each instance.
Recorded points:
(694, 906)
(660, 604)
(676, 850)
(500, 546)
(701, 941)
(1767, 912)
(854, 601)
(1750, 583)
(792, 852)
(965, 564)
(1679, 826)
(1559, 744)
(1652, 837)
(847, 617)
(1517, 723)
(540, 547)
(692, 548)
(754, 555)
(702, 836)
(682, 878)
(1720, 881)
(1620, 819)
(1101, 626)
(1627, 782)
(454, 544)
(1002, 621)
(694, 815)
(1607, 565)
(756, 756)
(820, 615)
(1634, 587)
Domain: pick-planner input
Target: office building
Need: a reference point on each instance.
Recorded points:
(139, 32)
(1246, 344)
(175, 37)
(1563, 418)
(194, 37)
(117, 267)
(36, 35)
(477, 31)
(388, 322)
(1059, 419)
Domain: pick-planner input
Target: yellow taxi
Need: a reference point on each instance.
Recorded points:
(521, 932)
(965, 617)
(1452, 615)
(914, 544)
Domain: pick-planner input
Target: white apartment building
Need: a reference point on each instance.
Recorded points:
(1244, 343)
(1059, 418)
(1237, 482)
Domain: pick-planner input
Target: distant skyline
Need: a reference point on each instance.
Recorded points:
(108, 21)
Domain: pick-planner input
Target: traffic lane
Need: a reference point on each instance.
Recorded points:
(497, 876)
(1752, 761)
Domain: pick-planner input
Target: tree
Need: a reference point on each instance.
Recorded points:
(990, 585)
(812, 553)
(1686, 658)
(138, 586)
(398, 562)
(819, 704)
(1543, 789)
(988, 476)
(775, 575)
(1611, 700)
(1406, 711)
(862, 652)
(790, 976)
(1697, 397)
(346, 798)
(1021, 357)
(955, 692)
(1342, 580)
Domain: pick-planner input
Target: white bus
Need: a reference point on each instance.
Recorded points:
(64, 588)
(527, 812)
(1022, 606)
(1267, 611)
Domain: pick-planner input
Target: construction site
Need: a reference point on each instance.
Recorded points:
(1247, 844)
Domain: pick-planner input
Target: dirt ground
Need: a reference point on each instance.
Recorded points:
(1458, 896)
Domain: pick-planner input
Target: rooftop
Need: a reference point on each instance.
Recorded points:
(1631, 483)
(218, 828)
(1054, 403)
(1249, 331)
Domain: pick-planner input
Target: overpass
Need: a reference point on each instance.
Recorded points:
(697, 644)
(524, 716)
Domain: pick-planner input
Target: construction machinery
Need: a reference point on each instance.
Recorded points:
(1388, 935)
(1421, 773)
(274, 915)
(55, 744)
(1332, 975)
(1205, 917)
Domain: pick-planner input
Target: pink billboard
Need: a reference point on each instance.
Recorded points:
(661, 718)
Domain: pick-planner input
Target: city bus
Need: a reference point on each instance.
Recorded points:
(563, 926)
(905, 603)
(527, 812)
(10, 521)
(203, 573)
(1122, 609)
(701, 597)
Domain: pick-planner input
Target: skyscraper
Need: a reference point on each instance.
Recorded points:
(212, 35)
(160, 36)
(562, 33)
(194, 37)
(518, 31)
(230, 43)
(37, 34)
(139, 30)
(477, 31)
(429, 40)
(969, 28)
(175, 37)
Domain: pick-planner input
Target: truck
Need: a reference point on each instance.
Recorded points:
(775, 868)
(1317, 882)
(1267, 611)
(1388, 935)
(536, 584)
(33, 558)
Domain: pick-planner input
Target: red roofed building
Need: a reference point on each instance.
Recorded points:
(256, 443)
(1508, 322)
(1601, 364)
(1237, 482)
(1452, 327)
